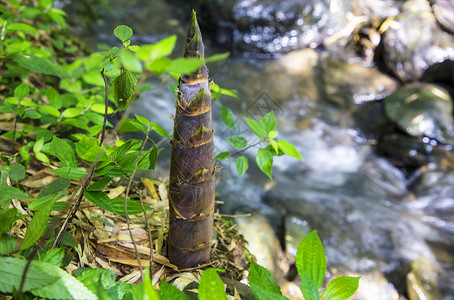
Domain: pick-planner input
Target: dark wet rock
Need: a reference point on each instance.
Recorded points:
(422, 109)
(414, 41)
(371, 120)
(441, 73)
(444, 12)
(347, 83)
(422, 280)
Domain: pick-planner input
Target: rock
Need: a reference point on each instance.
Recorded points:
(414, 41)
(374, 286)
(295, 230)
(422, 281)
(444, 12)
(422, 109)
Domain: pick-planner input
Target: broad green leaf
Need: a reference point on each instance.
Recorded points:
(42, 157)
(158, 50)
(211, 285)
(262, 283)
(311, 259)
(12, 269)
(289, 149)
(237, 142)
(130, 60)
(268, 121)
(131, 125)
(101, 108)
(6, 245)
(32, 114)
(159, 65)
(91, 278)
(100, 184)
(114, 205)
(143, 120)
(123, 88)
(242, 165)
(38, 146)
(123, 32)
(58, 186)
(40, 65)
(184, 65)
(169, 291)
(93, 77)
(8, 192)
(264, 161)
(49, 110)
(256, 127)
(21, 91)
(159, 130)
(17, 172)
(341, 288)
(153, 157)
(223, 155)
(216, 57)
(69, 240)
(273, 144)
(309, 290)
(54, 256)
(70, 172)
(7, 219)
(72, 112)
(28, 103)
(64, 152)
(108, 65)
(42, 201)
(54, 98)
(227, 118)
(23, 27)
(37, 225)
(89, 150)
(145, 289)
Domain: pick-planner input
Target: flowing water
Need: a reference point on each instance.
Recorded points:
(370, 214)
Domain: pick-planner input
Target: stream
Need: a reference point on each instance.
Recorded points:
(377, 181)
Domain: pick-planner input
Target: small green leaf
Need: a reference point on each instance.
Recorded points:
(64, 152)
(227, 118)
(7, 219)
(42, 201)
(264, 161)
(9, 192)
(311, 260)
(70, 172)
(21, 91)
(275, 146)
(108, 65)
(143, 120)
(341, 288)
(211, 286)
(72, 112)
(7, 245)
(100, 184)
(24, 27)
(237, 142)
(40, 65)
(54, 98)
(216, 57)
(54, 256)
(130, 60)
(49, 110)
(123, 88)
(272, 134)
(153, 157)
(158, 50)
(161, 131)
(256, 127)
(268, 121)
(123, 32)
(262, 283)
(223, 155)
(17, 172)
(131, 125)
(114, 205)
(184, 65)
(89, 150)
(58, 186)
(242, 165)
(32, 114)
(42, 157)
(38, 146)
(289, 149)
(169, 291)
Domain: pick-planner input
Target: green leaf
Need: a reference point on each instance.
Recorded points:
(54, 256)
(108, 65)
(17, 172)
(37, 225)
(94, 278)
(123, 32)
(242, 165)
(311, 260)
(8, 192)
(211, 286)
(257, 128)
(131, 125)
(42, 157)
(43, 280)
(114, 205)
(58, 186)
(49, 110)
(101, 108)
(153, 157)
(32, 114)
(64, 152)
(100, 184)
(143, 120)
(21, 91)
(227, 118)
(184, 65)
(70, 172)
(159, 65)
(309, 290)
(123, 88)
(54, 98)
(72, 112)
(40, 65)
(144, 290)
(223, 155)
(268, 121)
(158, 50)
(159, 130)
(23, 27)
(262, 283)
(130, 60)
(42, 201)
(38, 146)
(218, 56)
(7, 219)
(89, 150)
(237, 142)
(341, 288)
(264, 161)
(289, 149)
(168, 291)
(6, 245)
